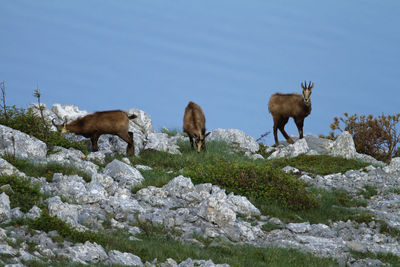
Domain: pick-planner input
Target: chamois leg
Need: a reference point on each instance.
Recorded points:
(191, 142)
(281, 127)
(128, 137)
(299, 123)
(94, 140)
(276, 123)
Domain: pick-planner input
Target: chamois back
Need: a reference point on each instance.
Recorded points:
(194, 121)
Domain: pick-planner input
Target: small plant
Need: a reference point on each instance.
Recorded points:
(22, 193)
(375, 136)
(368, 191)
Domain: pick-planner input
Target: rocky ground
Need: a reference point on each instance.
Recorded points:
(193, 210)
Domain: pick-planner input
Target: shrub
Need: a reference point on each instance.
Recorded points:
(23, 193)
(254, 180)
(375, 136)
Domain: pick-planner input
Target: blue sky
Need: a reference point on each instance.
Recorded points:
(228, 56)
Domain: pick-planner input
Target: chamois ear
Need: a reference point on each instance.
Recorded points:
(207, 134)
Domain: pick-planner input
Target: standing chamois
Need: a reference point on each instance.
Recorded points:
(194, 124)
(115, 122)
(284, 106)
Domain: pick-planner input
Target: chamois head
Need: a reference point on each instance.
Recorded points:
(61, 127)
(307, 89)
(200, 141)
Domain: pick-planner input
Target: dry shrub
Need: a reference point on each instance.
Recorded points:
(375, 136)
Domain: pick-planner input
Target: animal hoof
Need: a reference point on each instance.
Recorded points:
(290, 141)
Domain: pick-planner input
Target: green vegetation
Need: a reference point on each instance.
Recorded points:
(45, 170)
(369, 191)
(155, 177)
(254, 180)
(321, 164)
(335, 205)
(22, 192)
(28, 122)
(157, 243)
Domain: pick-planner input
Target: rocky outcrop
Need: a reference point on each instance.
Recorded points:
(236, 138)
(343, 146)
(19, 144)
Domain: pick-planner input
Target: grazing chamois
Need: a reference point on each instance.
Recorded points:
(194, 124)
(115, 122)
(284, 106)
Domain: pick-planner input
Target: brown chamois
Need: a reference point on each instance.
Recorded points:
(194, 124)
(115, 122)
(284, 106)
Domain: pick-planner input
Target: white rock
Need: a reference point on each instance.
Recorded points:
(292, 150)
(124, 258)
(162, 142)
(343, 146)
(67, 112)
(242, 205)
(88, 252)
(34, 212)
(14, 142)
(216, 210)
(126, 175)
(143, 167)
(393, 167)
(236, 138)
(5, 211)
(299, 227)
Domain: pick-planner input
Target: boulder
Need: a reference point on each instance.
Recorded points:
(87, 252)
(5, 211)
(162, 142)
(236, 138)
(19, 144)
(126, 175)
(124, 258)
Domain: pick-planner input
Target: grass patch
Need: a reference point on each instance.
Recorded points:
(156, 177)
(254, 180)
(45, 170)
(156, 243)
(319, 164)
(23, 193)
(333, 205)
(369, 191)
(171, 162)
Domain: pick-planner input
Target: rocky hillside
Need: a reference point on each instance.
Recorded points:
(102, 209)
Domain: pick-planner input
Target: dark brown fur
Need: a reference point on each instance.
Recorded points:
(285, 106)
(115, 122)
(194, 124)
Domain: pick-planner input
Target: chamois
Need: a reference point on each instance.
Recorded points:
(115, 122)
(284, 106)
(194, 124)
